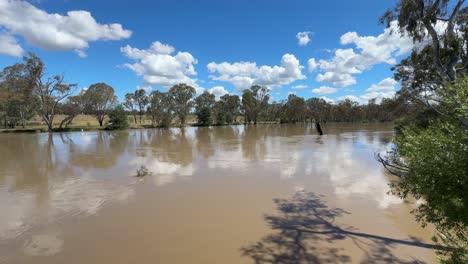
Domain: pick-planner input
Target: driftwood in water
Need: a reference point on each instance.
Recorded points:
(142, 171)
(319, 129)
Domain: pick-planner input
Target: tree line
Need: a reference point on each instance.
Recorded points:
(26, 91)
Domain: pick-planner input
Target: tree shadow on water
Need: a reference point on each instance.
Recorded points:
(305, 232)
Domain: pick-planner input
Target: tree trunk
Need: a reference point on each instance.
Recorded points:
(49, 122)
(66, 121)
(69, 122)
(182, 121)
(319, 129)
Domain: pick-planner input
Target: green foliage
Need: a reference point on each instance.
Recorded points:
(51, 90)
(431, 150)
(141, 100)
(432, 162)
(444, 58)
(118, 118)
(160, 108)
(294, 110)
(454, 102)
(254, 101)
(129, 103)
(203, 108)
(17, 101)
(436, 171)
(72, 107)
(181, 96)
(226, 109)
(204, 116)
(100, 98)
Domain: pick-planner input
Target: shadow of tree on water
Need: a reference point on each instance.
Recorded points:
(306, 232)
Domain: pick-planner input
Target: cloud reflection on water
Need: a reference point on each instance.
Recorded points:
(79, 173)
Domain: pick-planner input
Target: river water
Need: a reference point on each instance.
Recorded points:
(234, 194)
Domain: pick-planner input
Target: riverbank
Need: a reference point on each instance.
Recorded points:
(89, 123)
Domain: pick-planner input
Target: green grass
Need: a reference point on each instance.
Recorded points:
(90, 123)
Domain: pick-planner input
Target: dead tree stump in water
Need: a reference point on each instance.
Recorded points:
(319, 129)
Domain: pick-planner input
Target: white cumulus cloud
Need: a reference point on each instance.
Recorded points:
(160, 66)
(218, 91)
(312, 64)
(325, 90)
(245, 74)
(72, 31)
(371, 50)
(387, 84)
(147, 88)
(353, 98)
(9, 46)
(383, 89)
(301, 86)
(328, 100)
(303, 38)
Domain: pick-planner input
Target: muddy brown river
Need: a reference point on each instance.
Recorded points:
(265, 194)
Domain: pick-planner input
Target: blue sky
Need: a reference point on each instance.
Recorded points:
(220, 46)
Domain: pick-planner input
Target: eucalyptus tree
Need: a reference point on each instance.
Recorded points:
(17, 101)
(102, 99)
(294, 109)
(160, 108)
(50, 90)
(230, 107)
(181, 96)
(318, 109)
(129, 103)
(430, 160)
(73, 106)
(141, 100)
(226, 109)
(440, 56)
(204, 104)
(254, 100)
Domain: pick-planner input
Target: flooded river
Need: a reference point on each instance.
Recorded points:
(266, 194)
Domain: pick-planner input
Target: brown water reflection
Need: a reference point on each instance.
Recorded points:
(266, 194)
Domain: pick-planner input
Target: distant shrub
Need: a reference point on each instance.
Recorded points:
(117, 118)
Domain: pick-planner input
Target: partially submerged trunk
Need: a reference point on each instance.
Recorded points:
(319, 129)
(49, 122)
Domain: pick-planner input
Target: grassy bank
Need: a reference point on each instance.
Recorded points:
(86, 123)
(89, 123)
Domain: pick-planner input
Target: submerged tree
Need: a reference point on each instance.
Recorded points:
(181, 96)
(160, 108)
(254, 100)
(141, 100)
(294, 109)
(203, 108)
(226, 109)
